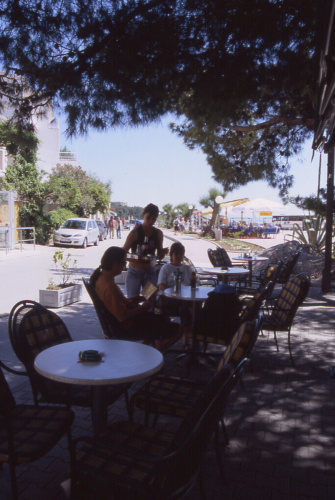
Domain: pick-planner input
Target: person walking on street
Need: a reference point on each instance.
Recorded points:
(118, 228)
(111, 228)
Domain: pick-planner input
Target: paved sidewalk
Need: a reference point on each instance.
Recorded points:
(281, 426)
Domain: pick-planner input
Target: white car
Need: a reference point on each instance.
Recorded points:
(77, 232)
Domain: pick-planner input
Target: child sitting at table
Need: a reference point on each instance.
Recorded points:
(136, 321)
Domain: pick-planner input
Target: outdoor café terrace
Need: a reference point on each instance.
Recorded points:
(281, 425)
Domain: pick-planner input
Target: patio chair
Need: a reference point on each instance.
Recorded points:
(204, 280)
(14, 320)
(288, 268)
(286, 305)
(174, 396)
(38, 330)
(111, 326)
(27, 432)
(135, 461)
(271, 273)
(253, 306)
(220, 258)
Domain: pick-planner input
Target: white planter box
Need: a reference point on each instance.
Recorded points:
(60, 298)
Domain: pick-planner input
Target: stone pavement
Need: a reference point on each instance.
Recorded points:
(281, 425)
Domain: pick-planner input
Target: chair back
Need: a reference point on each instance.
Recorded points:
(40, 330)
(219, 257)
(251, 310)
(14, 321)
(7, 402)
(242, 343)
(188, 262)
(288, 267)
(290, 298)
(271, 275)
(191, 439)
(111, 327)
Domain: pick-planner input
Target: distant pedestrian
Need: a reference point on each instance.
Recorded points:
(111, 228)
(182, 225)
(176, 226)
(118, 228)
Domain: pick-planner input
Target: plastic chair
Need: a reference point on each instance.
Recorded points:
(134, 461)
(27, 432)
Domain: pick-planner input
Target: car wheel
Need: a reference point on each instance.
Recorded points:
(84, 245)
(96, 243)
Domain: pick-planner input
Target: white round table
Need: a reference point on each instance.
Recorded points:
(251, 261)
(224, 274)
(123, 362)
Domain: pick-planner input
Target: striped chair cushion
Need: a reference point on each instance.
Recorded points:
(238, 346)
(131, 478)
(122, 475)
(168, 396)
(287, 303)
(174, 396)
(35, 431)
(43, 330)
(248, 312)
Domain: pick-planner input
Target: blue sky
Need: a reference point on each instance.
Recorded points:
(152, 165)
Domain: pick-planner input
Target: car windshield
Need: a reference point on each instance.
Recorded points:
(74, 224)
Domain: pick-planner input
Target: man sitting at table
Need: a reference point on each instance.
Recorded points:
(136, 321)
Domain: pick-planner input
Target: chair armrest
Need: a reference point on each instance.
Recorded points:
(12, 370)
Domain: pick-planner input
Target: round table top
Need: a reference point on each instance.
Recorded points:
(187, 293)
(123, 362)
(252, 258)
(218, 270)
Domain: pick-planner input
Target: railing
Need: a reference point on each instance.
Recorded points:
(4, 238)
(21, 240)
(67, 156)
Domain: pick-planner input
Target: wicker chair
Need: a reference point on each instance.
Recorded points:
(286, 305)
(134, 461)
(27, 432)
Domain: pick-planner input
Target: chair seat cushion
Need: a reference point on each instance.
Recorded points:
(119, 474)
(35, 431)
(168, 396)
(270, 322)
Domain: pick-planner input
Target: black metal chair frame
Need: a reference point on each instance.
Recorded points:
(16, 434)
(193, 447)
(68, 394)
(288, 268)
(277, 327)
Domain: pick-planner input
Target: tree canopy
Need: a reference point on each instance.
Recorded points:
(241, 72)
(71, 187)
